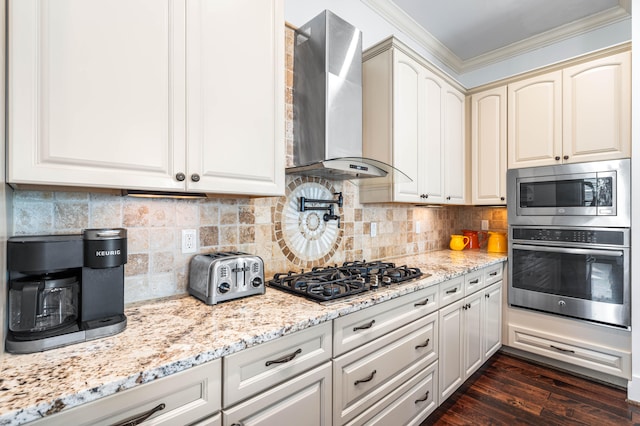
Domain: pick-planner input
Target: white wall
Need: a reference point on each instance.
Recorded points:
(374, 29)
(633, 391)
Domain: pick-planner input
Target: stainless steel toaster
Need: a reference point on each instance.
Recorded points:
(217, 277)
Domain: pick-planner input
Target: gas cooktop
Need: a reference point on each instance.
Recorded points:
(329, 283)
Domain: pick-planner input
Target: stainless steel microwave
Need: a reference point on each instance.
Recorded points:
(581, 194)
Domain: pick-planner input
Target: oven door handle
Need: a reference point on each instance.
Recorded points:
(595, 252)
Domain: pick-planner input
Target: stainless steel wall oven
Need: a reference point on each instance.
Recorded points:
(569, 240)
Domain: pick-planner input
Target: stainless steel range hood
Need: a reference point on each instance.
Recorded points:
(327, 103)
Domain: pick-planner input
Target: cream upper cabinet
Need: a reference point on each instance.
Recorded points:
(414, 120)
(489, 146)
(580, 113)
(597, 109)
(454, 146)
(125, 94)
(534, 130)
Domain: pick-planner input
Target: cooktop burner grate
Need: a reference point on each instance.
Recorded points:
(334, 282)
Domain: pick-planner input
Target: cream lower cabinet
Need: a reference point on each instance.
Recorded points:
(470, 329)
(414, 120)
(577, 114)
(143, 94)
(280, 382)
(385, 368)
(192, 396)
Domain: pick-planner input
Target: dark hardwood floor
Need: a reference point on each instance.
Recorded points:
(512, 391)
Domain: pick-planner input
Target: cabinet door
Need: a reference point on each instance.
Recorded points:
(406, 127)
(597, 109)
(431, 146)
(454, 146)
(95, 94)
(492, 320)
(534, 121)
(451, 374)
(472, 352)
(489, 146)
(305, 399)
(235, 96)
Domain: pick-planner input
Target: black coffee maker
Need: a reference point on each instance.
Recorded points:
(65, 289)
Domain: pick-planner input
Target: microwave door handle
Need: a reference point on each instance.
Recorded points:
(611, 253)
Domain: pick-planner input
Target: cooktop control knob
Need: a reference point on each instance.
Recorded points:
(256, 282)
(224, 287)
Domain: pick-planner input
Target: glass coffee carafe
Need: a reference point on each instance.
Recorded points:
(39, 304)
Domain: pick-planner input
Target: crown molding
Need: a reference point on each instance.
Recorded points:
(400, 19)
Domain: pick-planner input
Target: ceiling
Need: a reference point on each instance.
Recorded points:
(469, 34)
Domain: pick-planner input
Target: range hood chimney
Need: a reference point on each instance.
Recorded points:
(327, 102)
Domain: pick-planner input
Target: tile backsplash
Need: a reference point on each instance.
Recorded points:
(156, 266)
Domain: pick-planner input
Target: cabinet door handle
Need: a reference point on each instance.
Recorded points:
(365, 327)
(453, 290)
(139, 418)
(493, 274)
(487, 295)
(423, 399)
(566, 157)
(424, 345)
(180, 176)
(422, 303)
(501, 198)
(368, 379)
(562, 349)
(284, 359)
(195, 177)
(449, 198)
(557, 158)
(476, 281)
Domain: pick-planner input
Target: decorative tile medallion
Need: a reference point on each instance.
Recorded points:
(305, 238)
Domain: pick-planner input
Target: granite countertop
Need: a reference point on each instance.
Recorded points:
(167, 336)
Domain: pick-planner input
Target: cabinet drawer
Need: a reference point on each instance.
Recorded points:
(604, 359)
(354, 330)
(411, 403)
(493, 274)
(451, 290)
(473, 282)
(303, 400)
(188, 396)
(365, 375)
(251, 371)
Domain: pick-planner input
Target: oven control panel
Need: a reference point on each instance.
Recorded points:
(585, 236)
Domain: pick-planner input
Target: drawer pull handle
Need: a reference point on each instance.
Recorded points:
(368, 379)
(493, 274)
(562, 349)
(422, 303)
(476, 281)
(453, 290)
(284, 359)
(136, 420)
(426, 396)
(365, 327)
(424, 345)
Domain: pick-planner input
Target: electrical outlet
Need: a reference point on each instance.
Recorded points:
(417, 226)
(189, 244)
(484, 225)
(374, 229)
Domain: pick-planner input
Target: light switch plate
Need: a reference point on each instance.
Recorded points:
(374, 229)
(484, 225)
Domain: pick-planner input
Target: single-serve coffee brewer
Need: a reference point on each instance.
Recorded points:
(65, 289)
